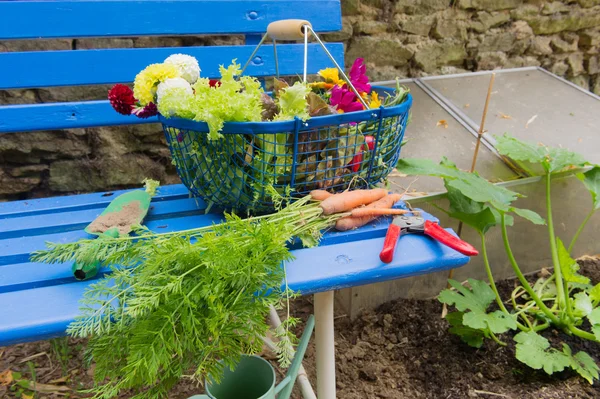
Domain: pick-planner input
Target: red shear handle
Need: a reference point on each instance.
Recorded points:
(389, 245)
(435, 231)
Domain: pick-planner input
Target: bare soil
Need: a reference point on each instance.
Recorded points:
(400, 350)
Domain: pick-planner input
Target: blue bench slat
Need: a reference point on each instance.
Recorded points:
(41, 313)
(98, 18)
(17, 250)
(78, 220)
(70, 203)
(20, 70)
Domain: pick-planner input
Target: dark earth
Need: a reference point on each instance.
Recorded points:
(400, 350)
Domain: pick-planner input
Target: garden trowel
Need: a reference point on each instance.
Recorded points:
(117, 220)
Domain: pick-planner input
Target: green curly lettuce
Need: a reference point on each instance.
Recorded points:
(235, 100)
(292, 102)
(176, 102)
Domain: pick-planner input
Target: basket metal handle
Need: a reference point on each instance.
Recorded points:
(298, 29)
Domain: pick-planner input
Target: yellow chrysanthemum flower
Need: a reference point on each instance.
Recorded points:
(375, 101)
(145, 83)
(331, 75)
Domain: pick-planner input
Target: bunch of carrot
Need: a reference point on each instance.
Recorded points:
(362, 206)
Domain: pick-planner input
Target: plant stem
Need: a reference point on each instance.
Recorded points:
(488, 270)
(581, 333)
(580, 229)
(521, 277)
(560, 289)
(496, 340)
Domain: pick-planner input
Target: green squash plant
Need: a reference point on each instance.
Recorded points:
(565, 300)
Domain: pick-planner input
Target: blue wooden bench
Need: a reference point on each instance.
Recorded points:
(38, 300)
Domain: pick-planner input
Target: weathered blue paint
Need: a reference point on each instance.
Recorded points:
(100, 18)
(39, 300)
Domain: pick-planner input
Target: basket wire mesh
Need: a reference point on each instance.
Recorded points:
(331, 152)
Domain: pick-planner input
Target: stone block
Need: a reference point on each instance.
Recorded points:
(521, 30)
(18, 96)
(28, 170)
(350, 7)
(561, 46)
(421, 6)
(593, 65)
(432, 55)
(450, 29)
(36, 45)
(582, 81)
(559, 68)
(588, 3)
(371, 27)
(589, 38)
(344, 34)
(555, 7)
(105, 173)
(486, 20)
(575, 62)
(573, 21)
(74, 93)
(596, 87)
(93, 43)
(112, 141)
(13, 185)
(540, 45)
(418, 25)
(498, 40)
(31, 147)
(525, 12)
(489, 5)
(491, 60)
(520, 61)
(379, 50)
(157, 41)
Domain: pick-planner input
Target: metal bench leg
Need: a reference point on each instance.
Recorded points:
(325, 345)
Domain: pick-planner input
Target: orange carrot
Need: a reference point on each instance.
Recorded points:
(349, 222)
(349, 200)
(320, 195)
(360, 212)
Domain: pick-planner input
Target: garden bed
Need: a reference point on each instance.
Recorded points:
(400, 350)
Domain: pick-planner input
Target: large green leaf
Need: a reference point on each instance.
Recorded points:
(583, 364)
(475, 214)
(474, 303)
(530, 215)
(552, 159)
(591, 180)
(471, 185)
(595, 293)
(568, 265)
(468, 335)
(594, 317)
(582, 304)
(497, 322)
(534, 350)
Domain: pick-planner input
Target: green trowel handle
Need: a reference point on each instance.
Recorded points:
(87, 271)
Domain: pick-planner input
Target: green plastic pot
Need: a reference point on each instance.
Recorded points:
(254, 377)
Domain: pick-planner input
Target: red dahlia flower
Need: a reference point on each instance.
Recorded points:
(214, 82)
(147, 111)
(121, 98)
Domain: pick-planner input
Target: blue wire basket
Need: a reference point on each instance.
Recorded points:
(333, 152)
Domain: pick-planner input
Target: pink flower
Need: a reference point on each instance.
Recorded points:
(344, 100)
(146, 112)
(358, 76)
(121, 98)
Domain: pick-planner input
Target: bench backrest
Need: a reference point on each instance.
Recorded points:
(127, 18)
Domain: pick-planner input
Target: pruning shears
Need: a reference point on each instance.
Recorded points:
(414, 224)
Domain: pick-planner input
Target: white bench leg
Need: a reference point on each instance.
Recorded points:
(325, 345)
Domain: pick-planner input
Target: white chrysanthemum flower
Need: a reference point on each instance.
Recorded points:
(187, 65)
(171, 84)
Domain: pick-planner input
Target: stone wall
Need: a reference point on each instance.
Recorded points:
(398, 38)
